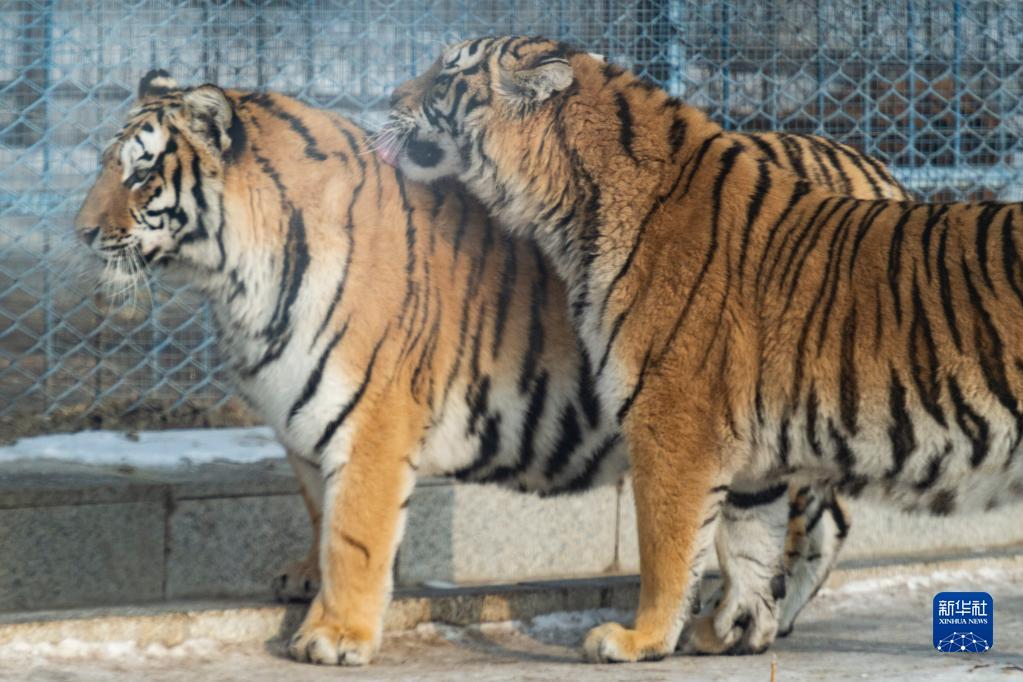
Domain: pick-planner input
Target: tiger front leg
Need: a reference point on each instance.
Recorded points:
(677, 479)
(751, 542)
(300, 580)
(363, 521)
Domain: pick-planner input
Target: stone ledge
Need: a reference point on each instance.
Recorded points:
(484, 534)
(74, 535)
(52, 483)
(225, 530)
(237, 622)
(81, 555)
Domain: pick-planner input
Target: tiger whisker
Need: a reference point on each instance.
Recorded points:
(385, 137)
(394, 131)
(125, 276)
(139, 277)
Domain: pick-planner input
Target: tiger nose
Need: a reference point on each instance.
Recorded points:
(88, 234)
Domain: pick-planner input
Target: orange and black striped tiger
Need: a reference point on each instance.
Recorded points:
(383, 328)
(750, 330)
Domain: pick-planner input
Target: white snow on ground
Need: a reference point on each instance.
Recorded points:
(149, 449)
(559, 627)
(939, 580)
(124, 652)
(562, 627)
(566, 627)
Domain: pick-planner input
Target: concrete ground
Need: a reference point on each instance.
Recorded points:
(873, 624)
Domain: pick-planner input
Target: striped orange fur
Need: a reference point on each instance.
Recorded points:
(759, 330)
(385, 329)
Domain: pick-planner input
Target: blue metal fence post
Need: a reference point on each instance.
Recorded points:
(726, 109)
(869, 104)
(1003, 145)
(819, 127)
(676, 54)
(47, 185)
(260, 48)
(911, 75)
(957, 142)
(772, 77)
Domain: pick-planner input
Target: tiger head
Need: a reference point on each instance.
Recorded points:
(451, 119)
(158, 197)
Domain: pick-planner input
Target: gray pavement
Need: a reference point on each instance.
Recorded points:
(875, 625)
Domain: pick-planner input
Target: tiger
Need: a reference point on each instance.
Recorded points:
(383, 328)
(753, 331)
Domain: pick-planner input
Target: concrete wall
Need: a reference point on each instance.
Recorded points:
(73, 535)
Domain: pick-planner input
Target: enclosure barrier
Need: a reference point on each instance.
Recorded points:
(931, 88)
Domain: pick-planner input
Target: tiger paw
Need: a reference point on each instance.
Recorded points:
(701, 638)
(328, 644)
(613, 643)
(300, 581)
(730, 632)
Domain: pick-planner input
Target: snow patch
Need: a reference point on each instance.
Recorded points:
(882, 588)
(561, 627)
(575, 621)
(568, 628)
(121, 651)
(150, 449)
(917, 582)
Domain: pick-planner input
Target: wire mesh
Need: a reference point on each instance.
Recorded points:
(931, 88)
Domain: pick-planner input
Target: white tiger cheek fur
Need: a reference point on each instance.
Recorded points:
(150, 241)
(132, 151)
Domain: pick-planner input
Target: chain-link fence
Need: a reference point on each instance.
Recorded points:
(932, 88)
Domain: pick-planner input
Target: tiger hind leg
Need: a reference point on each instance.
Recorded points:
(818, 527)
(677, 517)
(743, 616)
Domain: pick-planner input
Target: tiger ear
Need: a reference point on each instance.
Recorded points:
(535, 85)
(211, 114)
(156, 83)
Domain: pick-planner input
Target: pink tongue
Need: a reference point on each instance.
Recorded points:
(388, 153)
